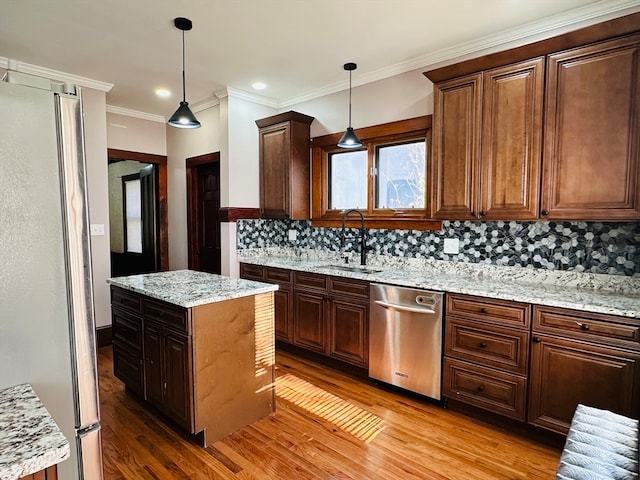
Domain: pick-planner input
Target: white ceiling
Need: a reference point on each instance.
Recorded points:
(297, 47)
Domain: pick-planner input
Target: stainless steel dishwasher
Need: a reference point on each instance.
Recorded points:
(405, 338)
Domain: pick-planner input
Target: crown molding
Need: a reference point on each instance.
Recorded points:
(204, 104)
(23, 67)
(127, 112)
(513, 37)
(242, 95)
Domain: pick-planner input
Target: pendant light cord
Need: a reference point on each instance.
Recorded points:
(184, 93)
(349, 98)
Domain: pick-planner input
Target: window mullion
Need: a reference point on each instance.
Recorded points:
(371, 178)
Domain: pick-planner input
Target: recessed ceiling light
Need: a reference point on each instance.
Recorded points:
(163, 92)
(259, 85)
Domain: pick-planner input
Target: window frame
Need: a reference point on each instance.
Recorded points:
(371, 137)
(125, 179)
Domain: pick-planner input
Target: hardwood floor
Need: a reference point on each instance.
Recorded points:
(327, 425)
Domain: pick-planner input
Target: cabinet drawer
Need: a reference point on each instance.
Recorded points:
(488, 345)
(251, 272)
(490, 389)
(350, 287)
(592, 327)
(277, 275)
(127, 330)
(167, 315)
(125, 299)
(310, 281)
(501, 312)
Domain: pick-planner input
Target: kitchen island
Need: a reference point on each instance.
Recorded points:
(198, 347)
(31, 444)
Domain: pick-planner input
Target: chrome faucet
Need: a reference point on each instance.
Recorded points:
(363, 234)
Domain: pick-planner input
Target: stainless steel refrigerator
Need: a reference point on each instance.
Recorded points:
(47, 326)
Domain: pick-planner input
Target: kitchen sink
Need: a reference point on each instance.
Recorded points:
(351, 268)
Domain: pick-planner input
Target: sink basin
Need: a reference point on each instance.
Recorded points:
(351, 268)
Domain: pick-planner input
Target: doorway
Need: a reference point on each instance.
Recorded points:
(203, 215)
(138, 212)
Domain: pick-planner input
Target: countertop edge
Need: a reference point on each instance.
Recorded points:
(535, 295)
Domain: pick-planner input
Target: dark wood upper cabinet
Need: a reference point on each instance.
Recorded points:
(511, 141)
(487, 144)
(285, 166)
(592, 132)
(456, 146)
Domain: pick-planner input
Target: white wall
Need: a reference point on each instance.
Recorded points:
(182, 144)
(94, 105)
(396, 98)
(136, 134)
(240, 170)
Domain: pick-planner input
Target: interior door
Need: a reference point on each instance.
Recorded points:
(149, 218)
(203, 216)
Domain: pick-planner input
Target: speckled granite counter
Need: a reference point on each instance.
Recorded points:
(188, 288)
(30, 440)
(609, 294)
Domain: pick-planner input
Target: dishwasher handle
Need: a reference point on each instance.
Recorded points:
(404, 308)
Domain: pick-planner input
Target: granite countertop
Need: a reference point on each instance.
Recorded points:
(30, 440)
(188, 288)
(574, 290)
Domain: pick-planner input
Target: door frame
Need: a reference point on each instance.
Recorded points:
(192, 164)
(162, 228)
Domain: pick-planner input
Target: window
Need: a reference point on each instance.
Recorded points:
(132, 200)
(386, 179)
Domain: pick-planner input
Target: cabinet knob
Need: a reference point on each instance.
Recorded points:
(583, 326)
(483, 214)
(481, 388)
(483, 310)
(544, 213)
(535, 340)
(473, 214)
(483, 345)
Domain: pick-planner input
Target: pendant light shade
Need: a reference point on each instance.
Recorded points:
(183, 116)
(349, 139)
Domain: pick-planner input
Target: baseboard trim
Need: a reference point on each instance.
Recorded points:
(104, 336)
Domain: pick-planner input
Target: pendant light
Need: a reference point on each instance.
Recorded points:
(349, 139)
(183, 116)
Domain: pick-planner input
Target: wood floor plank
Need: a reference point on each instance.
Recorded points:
(319, 432)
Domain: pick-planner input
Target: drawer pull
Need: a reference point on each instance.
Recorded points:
(481, 388)
(483, 310)
(535, 340)
(483, 345)
(583, 326)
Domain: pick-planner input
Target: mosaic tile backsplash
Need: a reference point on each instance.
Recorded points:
(594, 247)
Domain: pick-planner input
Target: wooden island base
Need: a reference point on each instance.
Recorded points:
(208, 368)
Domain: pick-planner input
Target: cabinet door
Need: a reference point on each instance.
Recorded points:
(456, 148)
(309, 326)
(177, 380)
(592, 133)
(349, 331)
(565, 373)
(274, 170)
(129, 369)
(153, 365)
(511, 141)
(282, 305)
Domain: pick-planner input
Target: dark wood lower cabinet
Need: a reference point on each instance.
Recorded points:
(565, 373)
(348, 331)
(575, 357)
(310, 325)
(178, 359)
(167, 360)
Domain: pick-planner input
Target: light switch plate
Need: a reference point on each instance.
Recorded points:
(97, 229)
(293, 235)
(451, 245)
